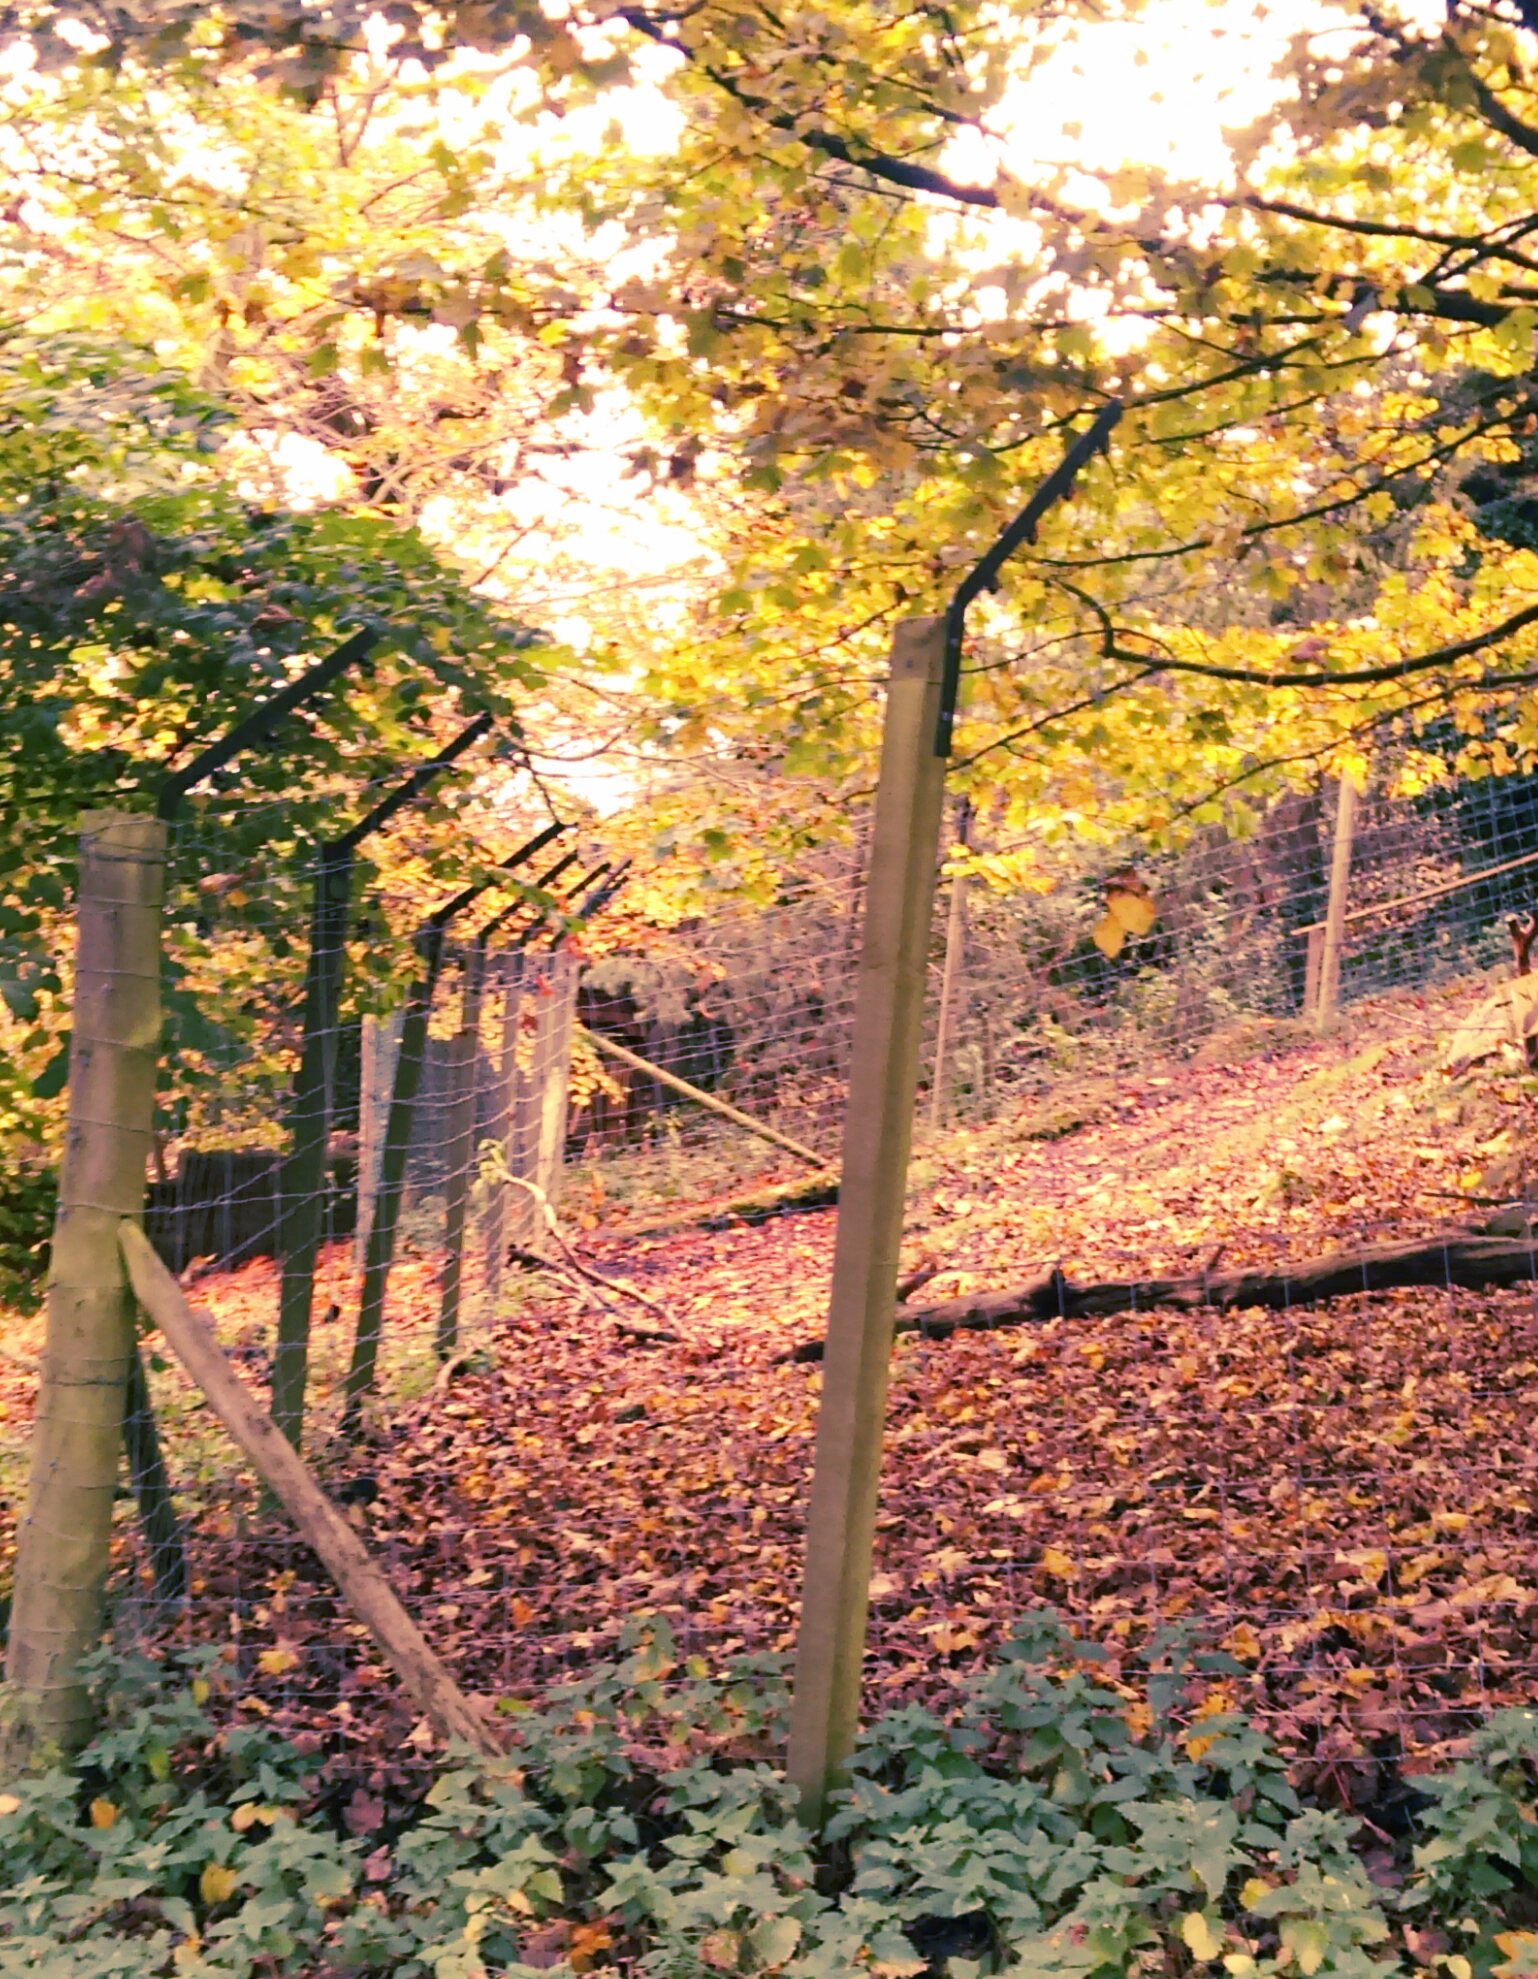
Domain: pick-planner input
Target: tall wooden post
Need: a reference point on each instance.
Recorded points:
(461, 1149)
(536, 1142)
(494, 1226)
(878, 1127)
(380, 1048)
(1335, 913)
(951, 980)
(555, 1072)
(380, 1253)
(61, 1567)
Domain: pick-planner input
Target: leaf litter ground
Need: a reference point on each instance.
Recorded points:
(1343, 1498)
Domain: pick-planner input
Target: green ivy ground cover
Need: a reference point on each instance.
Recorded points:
(1051, 1826)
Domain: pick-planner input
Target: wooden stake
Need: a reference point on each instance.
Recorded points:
(701, 1098)
(1335, 912)
(878, 1127)
(320, 1524)
(61, 1567)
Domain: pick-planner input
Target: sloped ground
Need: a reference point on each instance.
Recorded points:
(1343, 1498)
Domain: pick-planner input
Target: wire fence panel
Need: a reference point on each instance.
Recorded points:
(586, 1406)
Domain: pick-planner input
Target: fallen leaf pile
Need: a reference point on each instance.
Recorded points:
(1342, 1498)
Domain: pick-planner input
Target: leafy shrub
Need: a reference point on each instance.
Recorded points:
(1058, 1825)
(26, 1225)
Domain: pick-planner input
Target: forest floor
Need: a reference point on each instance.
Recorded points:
(1343, 1498)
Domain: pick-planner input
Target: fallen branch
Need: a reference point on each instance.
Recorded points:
(1457, 1257)
(363, 1586)
(570, 1265)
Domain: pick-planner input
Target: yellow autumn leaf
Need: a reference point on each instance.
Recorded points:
(217, 1882)
(278, 1660)
(1108, 935)
(8, 1804)
(1256, 1888)
(1134, 911)
(1198, 1935)
(1137, 1717)
(1056, 1563)
(103, 1813)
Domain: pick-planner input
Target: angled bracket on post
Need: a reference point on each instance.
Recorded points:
(380, 1254)
(258, 725)
(302, 1185)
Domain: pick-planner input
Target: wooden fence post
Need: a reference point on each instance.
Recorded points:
(1335, 913)
(555, 1074)
(952, 979)
(536, 1142)
(379, 1255)
(878, 1128)
(380, 1047)
(509, 975)
(461, 1148)
(61, 1567)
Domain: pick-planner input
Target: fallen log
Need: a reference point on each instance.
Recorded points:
(1466, 1258)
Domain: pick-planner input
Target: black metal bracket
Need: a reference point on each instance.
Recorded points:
(441, 916)
(412, 788)
(600, 896)
(984, 574)
(505, 914)
(262, 720)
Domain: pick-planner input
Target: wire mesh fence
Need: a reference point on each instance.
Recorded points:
(567, 1427)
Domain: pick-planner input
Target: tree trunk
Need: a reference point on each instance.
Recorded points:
(63, 1556)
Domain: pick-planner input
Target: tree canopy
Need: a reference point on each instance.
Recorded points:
(843, 321)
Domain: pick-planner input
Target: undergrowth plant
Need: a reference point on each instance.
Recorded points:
(1056, 1825)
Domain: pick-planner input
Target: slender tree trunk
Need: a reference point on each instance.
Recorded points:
(64, 1551)
(302, 1184)
(380, 1256)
